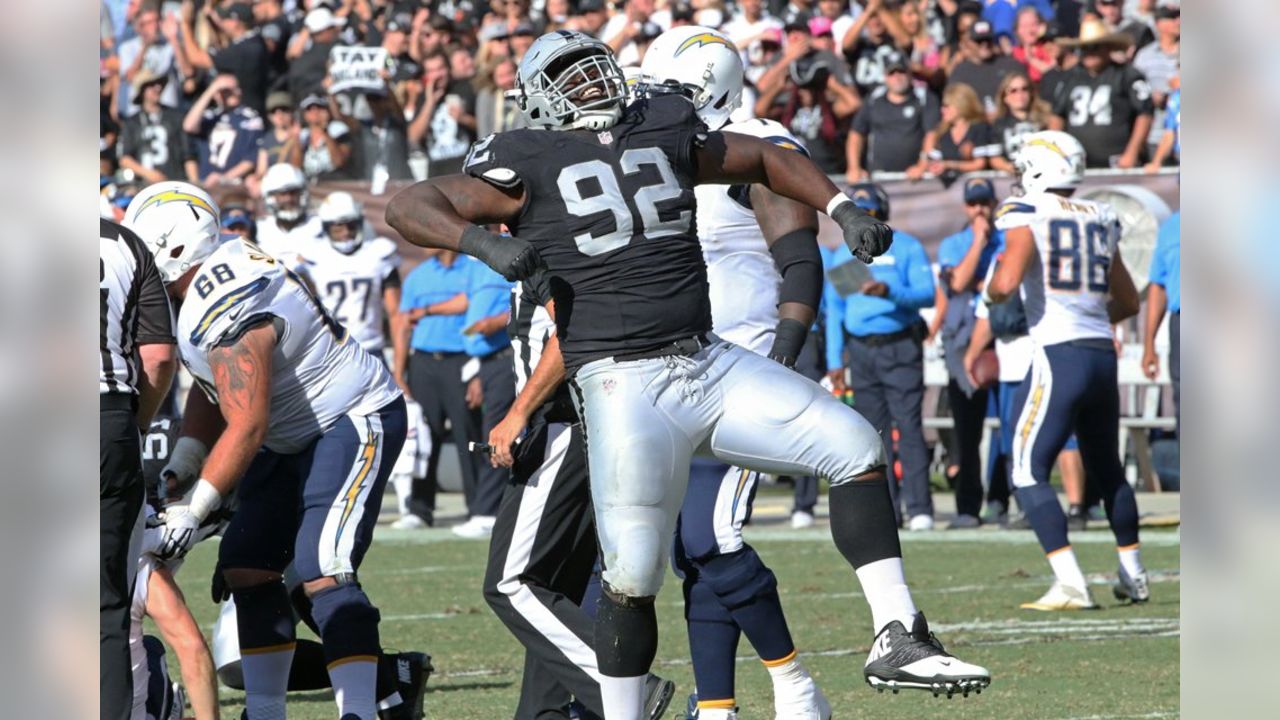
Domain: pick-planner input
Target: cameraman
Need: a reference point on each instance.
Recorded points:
(803, 91)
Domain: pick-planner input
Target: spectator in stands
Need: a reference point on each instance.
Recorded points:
(237, 220)
(838, 12)
(963, 260)
(153, 144)
(591, 17)
(230, 132)
(280, 144)
(381, 138)
(906, 24)
(1004, 15)
(1019, 112)
(879, 325)
(1111, 12)
(958, 24)
(816, 105)
(523, 35)
(325, 141)
(276, 30)
(308, 52)
(961, 142)
(868, 46)
(405, 71)
(446, 121)
(1170, 145)
(1158, 62)
(984, 65)
(495, 112)
(434, 33)
(621, 31)
(1106, 106)
(1035, 49)
(750, 24)
(149, 51)
(238, 50)
(1166, 294)
(888, 132)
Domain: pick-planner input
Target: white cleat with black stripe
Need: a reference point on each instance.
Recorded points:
(1132, 588)
(915, 660)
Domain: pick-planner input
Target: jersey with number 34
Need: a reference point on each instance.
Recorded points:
(318, 373)
(1066, 284)
(612, 214)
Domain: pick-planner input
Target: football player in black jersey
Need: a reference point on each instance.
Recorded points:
(606, 205)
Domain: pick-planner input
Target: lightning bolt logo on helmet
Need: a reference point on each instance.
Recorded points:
(169, 196)
(701, 39)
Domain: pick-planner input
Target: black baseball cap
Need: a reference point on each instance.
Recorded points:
(1168, 12)
(240, 11)
(895, 61)
(586, 6)
(981, 30)
(979, 190)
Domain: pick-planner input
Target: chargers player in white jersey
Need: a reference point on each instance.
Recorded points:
(300, 421)
(763, 262)
(1062, 253)
(288, 225)
(356, 276)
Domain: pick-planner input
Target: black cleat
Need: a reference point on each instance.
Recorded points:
(659, 692)
(412, 671)
(916, 660)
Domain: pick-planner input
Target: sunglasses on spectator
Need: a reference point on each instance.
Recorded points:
(1017, 89)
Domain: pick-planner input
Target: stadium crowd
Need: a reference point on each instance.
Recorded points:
(219, 93)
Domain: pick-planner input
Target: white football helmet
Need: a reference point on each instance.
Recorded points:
(704, 64)
(340, 208)
(283, 178)
(570, 80)
(178, 221)
(1050, 160)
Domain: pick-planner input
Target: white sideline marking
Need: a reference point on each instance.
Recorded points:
(1156, 714)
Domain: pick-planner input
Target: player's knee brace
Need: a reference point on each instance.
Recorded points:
(348, 622)
(264, 617)
(631, 626)
(863, 523)
(737, 578)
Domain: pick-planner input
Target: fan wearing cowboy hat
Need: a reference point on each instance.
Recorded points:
(1107, 106)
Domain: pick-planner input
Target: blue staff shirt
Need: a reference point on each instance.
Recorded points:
(904, 269)
(429, 283)
(1166, 266)
(954, 247)
(487, 295)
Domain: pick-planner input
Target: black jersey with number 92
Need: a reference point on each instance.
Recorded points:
(612, 213)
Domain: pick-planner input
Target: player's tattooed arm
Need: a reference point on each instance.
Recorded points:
(434, 213)
(732, 158)
(242, 378)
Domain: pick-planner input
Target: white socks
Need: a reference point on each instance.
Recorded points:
(622, 697)
(885, 586)
(1130, 559)
(355, 687)
(403, 484)
(266, 680)
(792, 684)
(1066, 569)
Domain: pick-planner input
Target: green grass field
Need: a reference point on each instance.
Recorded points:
(1119, 662)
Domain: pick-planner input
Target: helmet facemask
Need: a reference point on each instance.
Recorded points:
(289, 211)
(350, 232)
(582, 88)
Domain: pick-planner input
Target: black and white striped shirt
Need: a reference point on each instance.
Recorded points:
(133, 306)
(530, 327)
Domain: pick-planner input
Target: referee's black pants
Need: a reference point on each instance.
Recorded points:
(541, 555)
(970, 415)
(435, 379)
(498, 380)
(120, 495)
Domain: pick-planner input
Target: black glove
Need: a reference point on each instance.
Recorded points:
(511, 257)
(788, 339)
(219, 591)
(865, 236)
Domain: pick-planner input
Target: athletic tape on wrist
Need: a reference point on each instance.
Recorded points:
(205, 498)
(837, 201)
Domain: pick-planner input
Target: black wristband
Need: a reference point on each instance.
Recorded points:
(788, 340)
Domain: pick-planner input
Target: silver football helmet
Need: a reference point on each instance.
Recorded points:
(569, 80)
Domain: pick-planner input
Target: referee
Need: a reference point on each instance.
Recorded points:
(137, 360)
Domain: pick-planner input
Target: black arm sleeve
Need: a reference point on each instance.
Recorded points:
(800, 264)
(155, 320)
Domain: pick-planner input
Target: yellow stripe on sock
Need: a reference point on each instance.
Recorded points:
(1128, 547)
(780, 661)
(1059, 550)
(717, 704)
(282, 647)
(351, 659)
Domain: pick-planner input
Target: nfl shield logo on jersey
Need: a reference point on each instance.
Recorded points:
(605, 137)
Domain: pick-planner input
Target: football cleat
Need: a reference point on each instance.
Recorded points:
(915, 660)
(1062, 597)
(658, 694)
(412, 671)
(1135, 589)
